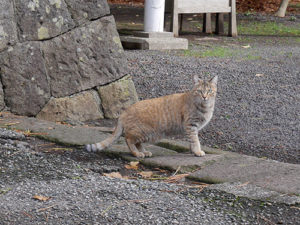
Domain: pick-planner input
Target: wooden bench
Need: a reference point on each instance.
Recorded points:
(179, 7)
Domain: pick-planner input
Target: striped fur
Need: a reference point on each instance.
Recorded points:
(153, 119)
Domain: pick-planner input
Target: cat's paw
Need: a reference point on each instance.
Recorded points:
(147, 153)
(91, 148)
(199, 153)
(139, 154)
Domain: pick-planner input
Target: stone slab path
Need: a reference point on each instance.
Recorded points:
(242, 175)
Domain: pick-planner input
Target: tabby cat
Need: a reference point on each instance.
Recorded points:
(153, 119)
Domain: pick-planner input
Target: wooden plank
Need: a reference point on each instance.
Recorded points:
(204, 10)
(203, 6)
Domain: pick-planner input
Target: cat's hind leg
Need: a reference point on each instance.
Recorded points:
(140, 147)
(132, 147)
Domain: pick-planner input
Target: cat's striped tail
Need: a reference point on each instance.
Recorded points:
(107, 142)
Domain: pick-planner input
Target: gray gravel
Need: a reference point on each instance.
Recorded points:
(80, 195)
(258, 102)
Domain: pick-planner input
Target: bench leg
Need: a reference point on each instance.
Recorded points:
(181, 21)
(220, 23)
(165, 24)
(207, 23)
(175, 25)
(232, 20)
(175, 18)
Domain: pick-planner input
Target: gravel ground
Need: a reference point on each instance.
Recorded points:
(79, 194)
(258, 102)
(255, 115)
(257, 108)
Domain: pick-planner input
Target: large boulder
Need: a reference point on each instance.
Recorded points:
(8, 29)
(79, 107)
(54, 54)
(89, 10)
(39, 20)
(24, 79)
(84, 58)
(117, 96)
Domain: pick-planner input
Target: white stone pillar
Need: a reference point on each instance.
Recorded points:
(154, 12)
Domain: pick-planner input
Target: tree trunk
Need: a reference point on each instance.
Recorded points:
(282, 9)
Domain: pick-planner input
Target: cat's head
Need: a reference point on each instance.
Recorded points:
(205, 91)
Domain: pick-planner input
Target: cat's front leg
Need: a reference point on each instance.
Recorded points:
(195, 143)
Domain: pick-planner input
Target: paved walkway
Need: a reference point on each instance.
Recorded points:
(241, 175)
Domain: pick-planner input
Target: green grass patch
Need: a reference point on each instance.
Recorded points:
(218, 52)
(268, 28)
(253, 57)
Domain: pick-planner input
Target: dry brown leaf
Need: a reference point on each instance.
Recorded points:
(132, 165)
(177, 177)
(10, 124)
(243, 184)
(113, 175)
(161, 170)
(61, 149)
(146, 174)
(41, 198)
(246, 46)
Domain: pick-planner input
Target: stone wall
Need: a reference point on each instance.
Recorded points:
(61, 59)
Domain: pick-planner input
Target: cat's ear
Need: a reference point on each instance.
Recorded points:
(214, 80)
(196, 79)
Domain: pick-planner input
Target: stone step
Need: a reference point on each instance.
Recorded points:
(241, 175)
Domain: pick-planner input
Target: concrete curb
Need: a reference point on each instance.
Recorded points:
(241, 175)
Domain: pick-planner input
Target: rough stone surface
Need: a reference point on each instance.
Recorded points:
(255, 192)
(84, 58)
(8, 30)
(79, 107)
(131, 42)
(274, 175)
(2, 103)
(257, 178)
(89, 10)
(66, 135)
(24, 79)
(39, 20)
(185, 162)
(117, 96)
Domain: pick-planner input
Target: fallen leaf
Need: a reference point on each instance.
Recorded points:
(132, 165)
(146, 174)
(161, 170)
(177, 177)
(10, 124)
(246, 46)
(41, 198)
(259, 75)
(243, 184)
(61, 149)
(219, 133)
(113, 175)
